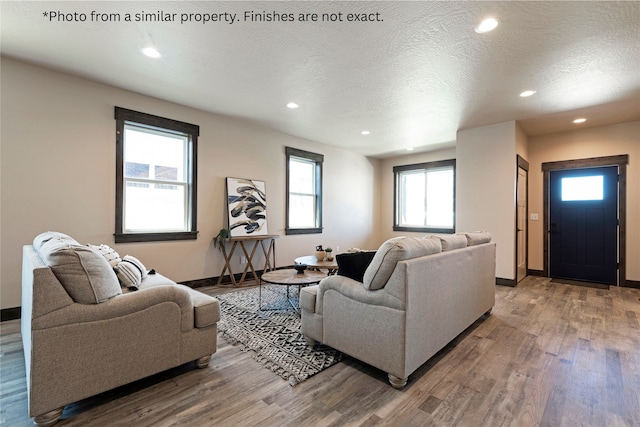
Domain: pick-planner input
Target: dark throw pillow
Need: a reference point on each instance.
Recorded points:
(354, 264)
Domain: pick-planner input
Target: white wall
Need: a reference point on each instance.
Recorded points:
(623, 138)
(387, 186)
(58, 173)
(486, 186)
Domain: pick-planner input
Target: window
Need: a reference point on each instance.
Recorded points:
(304, 192)
(583, 188)
(425, 197)
(156, 181)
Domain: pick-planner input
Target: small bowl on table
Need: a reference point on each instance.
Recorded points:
(300, 268)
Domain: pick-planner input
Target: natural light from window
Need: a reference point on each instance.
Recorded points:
(426, 198)
(302, 195)
(582, 188)
(156, 183)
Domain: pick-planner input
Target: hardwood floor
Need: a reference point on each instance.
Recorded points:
(549, 355)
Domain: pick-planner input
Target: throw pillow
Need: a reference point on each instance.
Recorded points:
(112, 257)
(83, 272)
(394, 250)
(48, 236)
(354, 264)
(136, 262)
(128, 274)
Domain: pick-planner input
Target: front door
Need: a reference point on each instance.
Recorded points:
(583, 217)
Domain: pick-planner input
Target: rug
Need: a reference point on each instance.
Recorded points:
(273, 333)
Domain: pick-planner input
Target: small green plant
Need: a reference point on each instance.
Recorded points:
(219, 240)
(329, 250)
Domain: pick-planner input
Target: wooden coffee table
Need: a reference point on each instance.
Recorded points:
(289, 277)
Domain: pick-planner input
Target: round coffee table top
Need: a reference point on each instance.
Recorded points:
(312, 261)
(290, 276)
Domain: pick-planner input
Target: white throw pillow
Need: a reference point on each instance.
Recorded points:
(112, 257)
(136, 262)
(128, 274)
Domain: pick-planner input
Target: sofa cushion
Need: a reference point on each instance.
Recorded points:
(128, 274)
(83, 272)
(477, 238)
(452, 241)
(112, 257)
(354, 264)
(394, 250)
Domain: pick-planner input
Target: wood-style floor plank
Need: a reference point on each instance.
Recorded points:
(548, 355)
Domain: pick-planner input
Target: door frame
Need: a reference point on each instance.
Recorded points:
(621, 161)
(521, 163)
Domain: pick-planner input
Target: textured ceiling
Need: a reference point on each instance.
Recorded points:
(412, 79)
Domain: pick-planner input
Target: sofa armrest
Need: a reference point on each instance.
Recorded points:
(355, 290)
(121, 305)
(206, 308)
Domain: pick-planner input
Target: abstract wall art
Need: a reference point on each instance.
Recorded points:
(247, 202)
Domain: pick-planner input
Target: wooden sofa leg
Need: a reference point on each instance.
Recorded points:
(397, 382)
(203, 362)
(48, 418)
(310, 341)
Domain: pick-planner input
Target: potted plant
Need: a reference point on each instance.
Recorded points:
(329, 252)
(223, 235)
(320, 253)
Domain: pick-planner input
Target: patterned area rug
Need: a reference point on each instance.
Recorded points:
(273, 333)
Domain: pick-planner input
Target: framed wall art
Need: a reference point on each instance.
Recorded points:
(247, 205)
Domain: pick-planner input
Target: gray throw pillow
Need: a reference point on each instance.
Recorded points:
(84, 273)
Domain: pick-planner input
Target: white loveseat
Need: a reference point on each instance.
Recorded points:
(417, 295)
(83, 335)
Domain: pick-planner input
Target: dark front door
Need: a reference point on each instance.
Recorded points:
(583, 219)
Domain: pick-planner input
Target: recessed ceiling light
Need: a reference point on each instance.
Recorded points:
(487, 25)
(151, 52)
(527, 93)
(410, 149)
(292, 105)
(365, 132)
(580, 120)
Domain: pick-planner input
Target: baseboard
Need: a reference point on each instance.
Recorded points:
(10, 313)
(632, 284)
(212, 281)
(506, 282)
(537, 273)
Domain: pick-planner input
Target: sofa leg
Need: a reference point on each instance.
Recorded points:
(397, 382)
(310, 341)
(203, 362)
(48, 418)
(488, 312)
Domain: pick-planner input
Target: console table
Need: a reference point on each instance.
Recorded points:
(269, 253)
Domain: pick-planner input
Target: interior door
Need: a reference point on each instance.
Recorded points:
(583, 217)
(521, 220)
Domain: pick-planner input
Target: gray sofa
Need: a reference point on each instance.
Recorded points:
(82, 334)
(417, 295)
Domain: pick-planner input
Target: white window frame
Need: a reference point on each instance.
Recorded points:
(421, 168)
